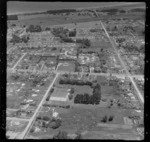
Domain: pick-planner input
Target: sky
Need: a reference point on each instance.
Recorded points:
(14, 7)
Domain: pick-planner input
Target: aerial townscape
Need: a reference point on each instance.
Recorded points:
(76, 73)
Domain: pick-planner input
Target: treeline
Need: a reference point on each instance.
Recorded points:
(17, 39)
(89, 99)
(12, 17)
(61, 11)
(75, 82)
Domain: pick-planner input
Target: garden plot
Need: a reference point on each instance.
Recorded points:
(12, 59)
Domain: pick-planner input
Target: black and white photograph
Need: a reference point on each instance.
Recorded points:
(75, 70)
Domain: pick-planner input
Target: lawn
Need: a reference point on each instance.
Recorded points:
(66, 66)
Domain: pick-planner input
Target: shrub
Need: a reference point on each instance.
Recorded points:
(31, 130)
(13, 25)
(104, 119)
(55, 123)
(72, 33)
(47, 29)
(46, 118)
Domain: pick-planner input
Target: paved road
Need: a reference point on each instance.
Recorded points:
(18, 119)
(19, 61)
(63, 72)
(122, 63)
(22, 135)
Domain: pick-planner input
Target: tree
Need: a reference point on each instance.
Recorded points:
(110, 118)
(72, 33)
(70, 96)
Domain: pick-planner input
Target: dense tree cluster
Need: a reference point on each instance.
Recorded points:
(67, 39)
(47, 29)
(60, 31)
(63, 34)
(51, 122)
(138, 10)
(72, 33)
(74, 82)
(33, 28)
(84, 42)
(89, 99)
(17, 39)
